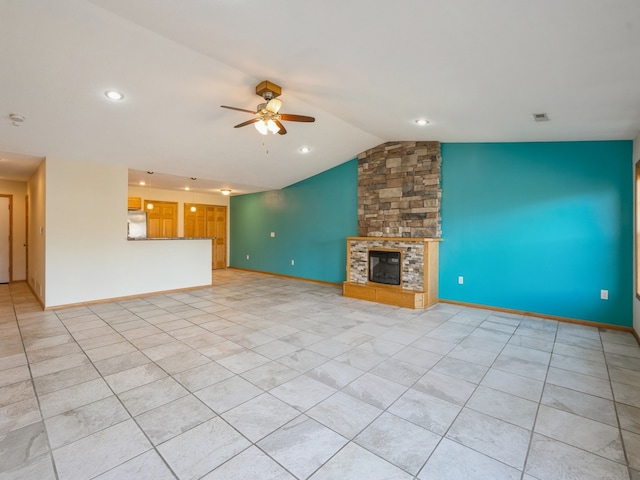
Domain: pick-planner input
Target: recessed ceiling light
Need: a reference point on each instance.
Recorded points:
(142, 182)
(187, 188)
(305, 149)
(113, 95)
(421, 122)
(540, 117)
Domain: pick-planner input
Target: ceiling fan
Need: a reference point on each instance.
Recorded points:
(267, 115)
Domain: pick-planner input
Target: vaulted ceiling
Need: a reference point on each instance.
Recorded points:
(365, 69)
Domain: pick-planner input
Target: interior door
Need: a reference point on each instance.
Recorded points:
(217, 229)
(162, 219)
(5, 240)
(194, 222)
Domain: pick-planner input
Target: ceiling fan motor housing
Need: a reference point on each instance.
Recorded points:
(268, 90)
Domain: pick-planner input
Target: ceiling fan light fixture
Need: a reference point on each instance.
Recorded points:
(261, 126)
(272, 126)
(274, 105)
(267, 116)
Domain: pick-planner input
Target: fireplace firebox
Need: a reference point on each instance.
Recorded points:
(384, 267)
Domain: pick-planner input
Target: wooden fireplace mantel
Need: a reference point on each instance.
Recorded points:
(419, 288)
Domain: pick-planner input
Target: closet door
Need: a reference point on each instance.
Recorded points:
(217, 230)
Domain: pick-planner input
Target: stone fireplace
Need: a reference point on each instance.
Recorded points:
(398, 211)
(399, 190)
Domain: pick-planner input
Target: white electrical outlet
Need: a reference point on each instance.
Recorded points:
(604, 294)
(460, 280)
(247, 256)
(293, 262)
(273, 234)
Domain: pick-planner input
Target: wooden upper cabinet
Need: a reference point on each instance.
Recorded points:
(134, 203)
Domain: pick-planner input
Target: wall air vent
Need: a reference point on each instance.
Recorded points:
(540, 117)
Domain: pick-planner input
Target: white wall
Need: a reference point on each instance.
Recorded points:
(18, 190)
(88, 256)
(636, 302)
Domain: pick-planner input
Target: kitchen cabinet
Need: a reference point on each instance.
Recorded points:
(134, 203)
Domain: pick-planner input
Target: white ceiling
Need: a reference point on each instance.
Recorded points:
(366, 69)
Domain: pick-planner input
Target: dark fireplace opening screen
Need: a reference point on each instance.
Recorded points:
(384, 267)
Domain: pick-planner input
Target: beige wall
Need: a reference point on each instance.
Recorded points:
(18, 192)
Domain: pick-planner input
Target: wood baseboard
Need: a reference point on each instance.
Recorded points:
(549, 317)
(322, 282)
(127, 297)
(35, 295)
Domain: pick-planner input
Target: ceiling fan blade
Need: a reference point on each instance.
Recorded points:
(296, 118)
(248, 122)
(238, 109)
(282, 130)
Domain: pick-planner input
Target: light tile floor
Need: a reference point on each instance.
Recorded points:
(261, 377)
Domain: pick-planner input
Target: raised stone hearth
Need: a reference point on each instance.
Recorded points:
(419, 271)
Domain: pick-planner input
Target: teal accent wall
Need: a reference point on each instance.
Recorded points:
(311, 220)
(539, 227)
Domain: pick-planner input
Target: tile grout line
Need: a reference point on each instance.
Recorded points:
(35, 393)
(615, 408)
(539, 404)
(444, 435)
